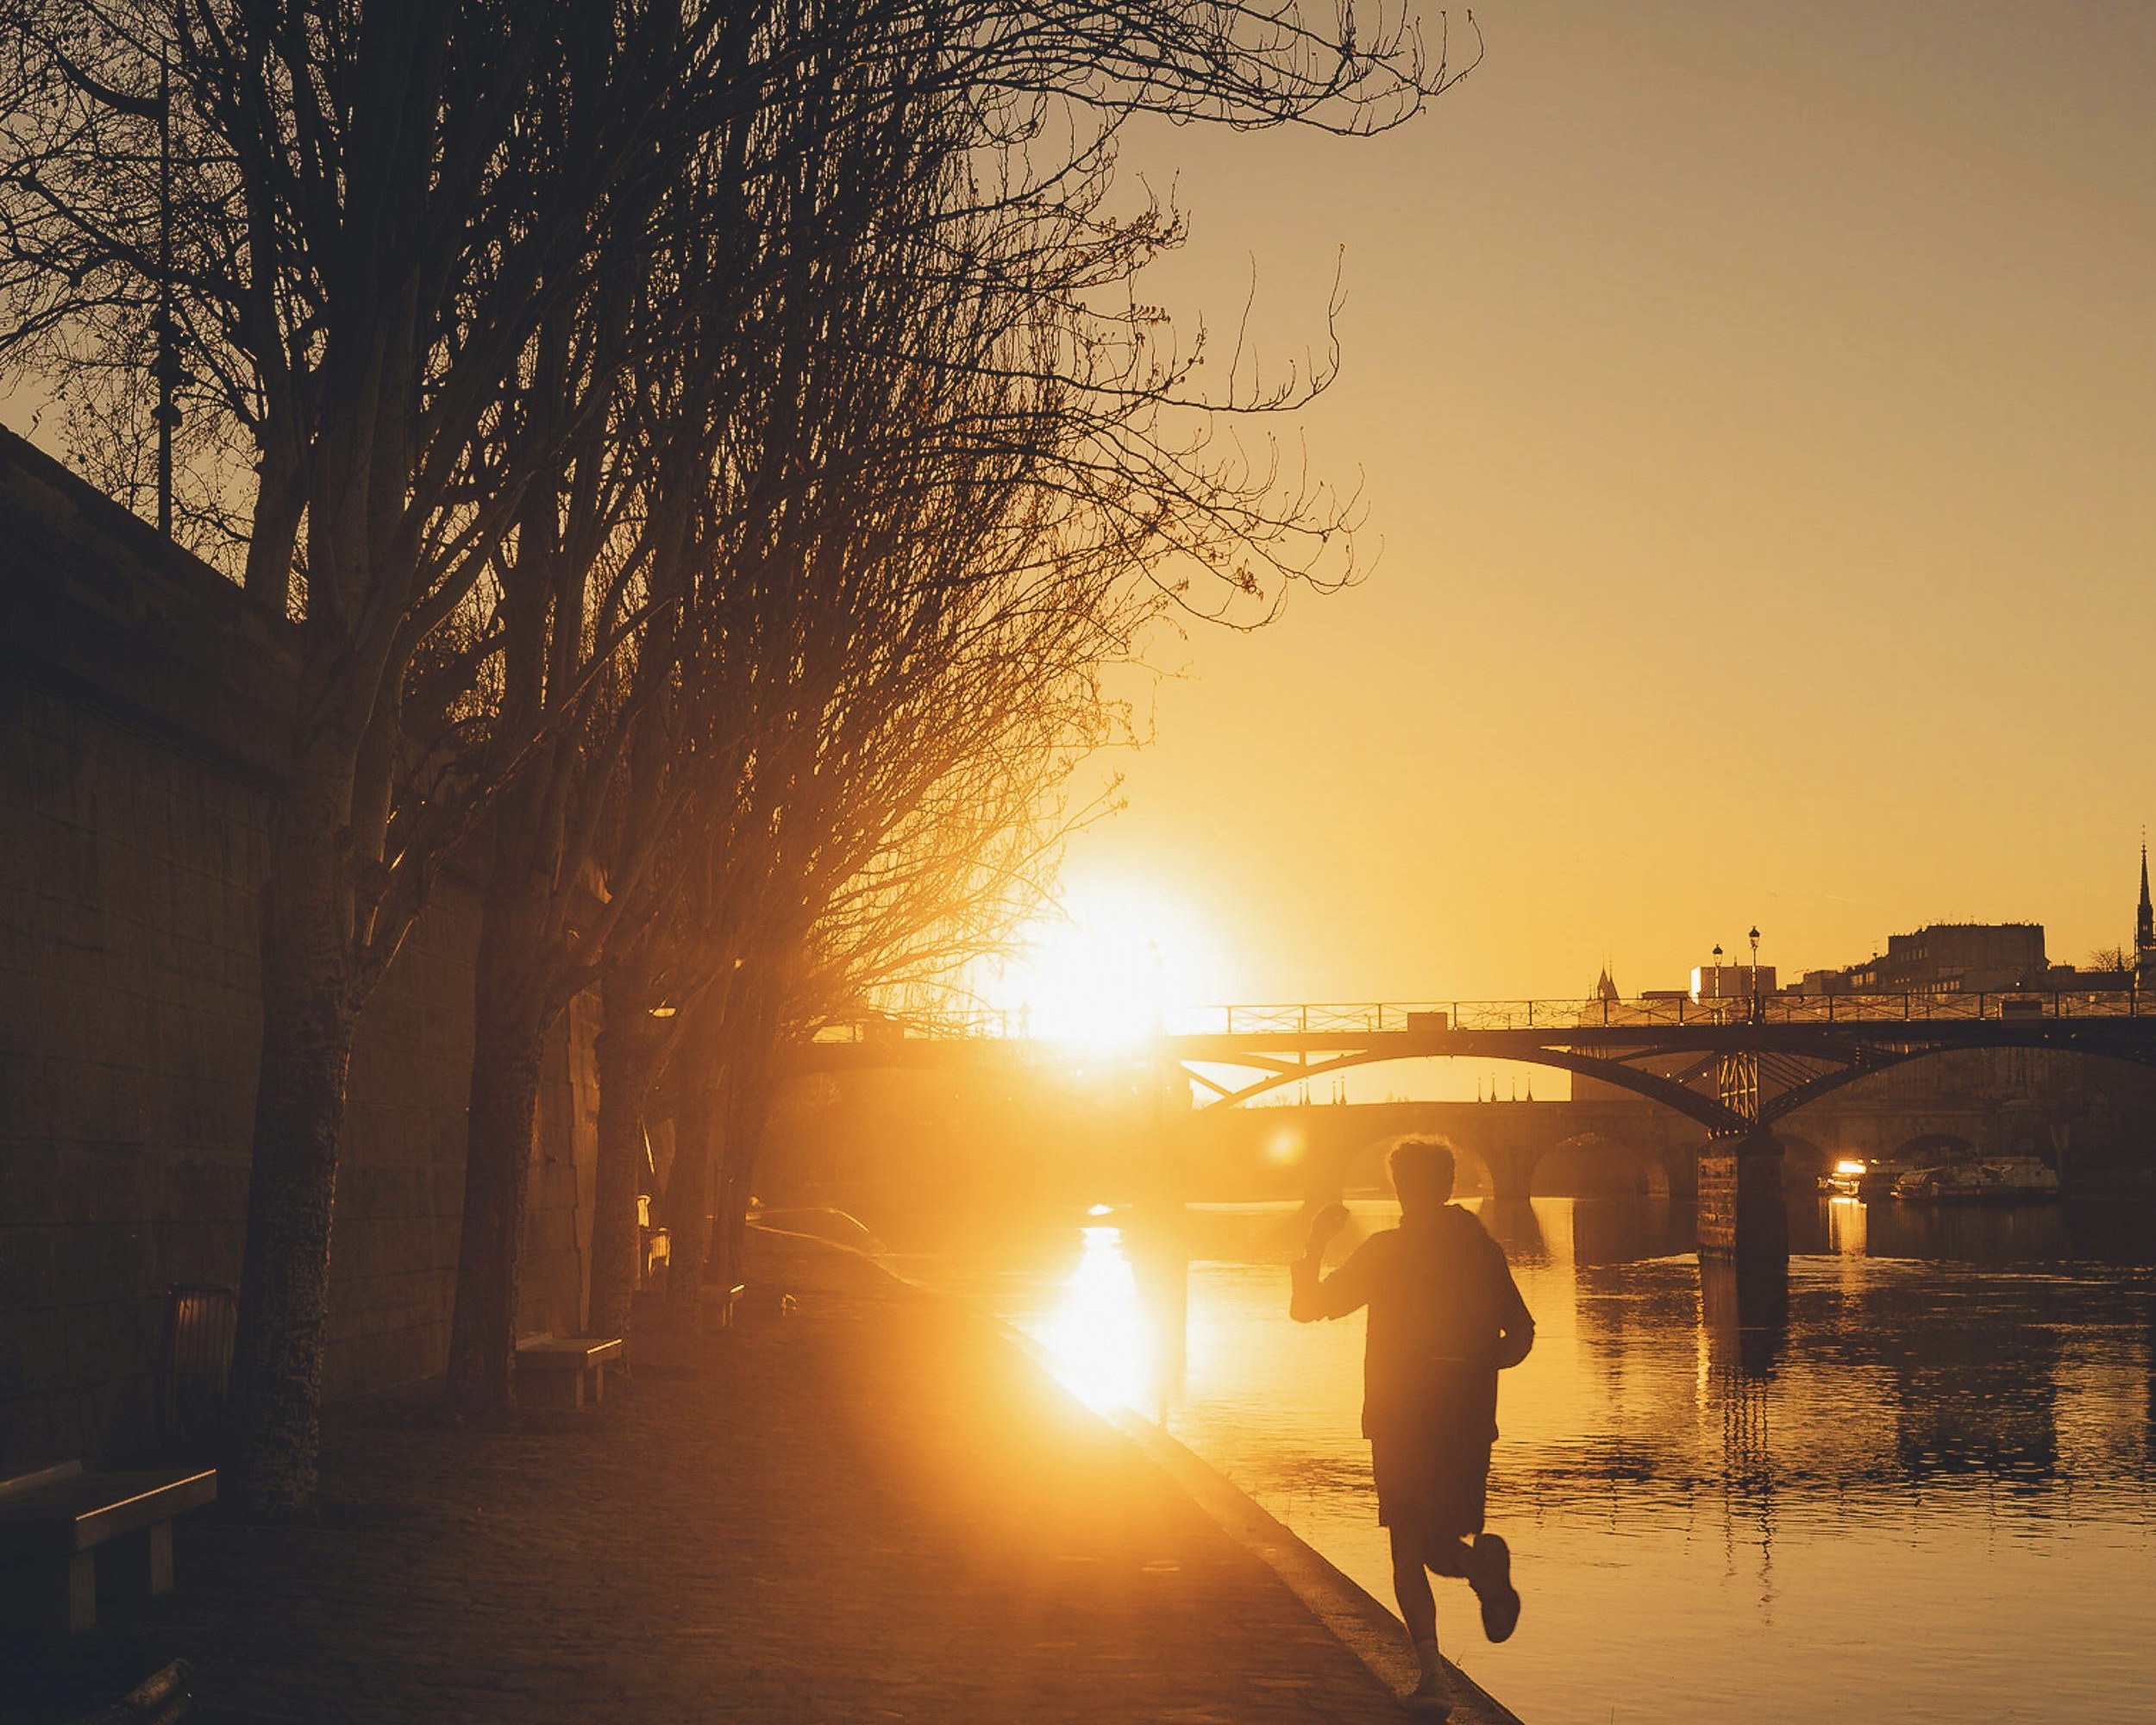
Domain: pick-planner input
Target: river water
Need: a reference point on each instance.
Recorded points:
(1922, 1490)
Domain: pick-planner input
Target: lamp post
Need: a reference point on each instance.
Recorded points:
(1718, 970)
(1758, 1001)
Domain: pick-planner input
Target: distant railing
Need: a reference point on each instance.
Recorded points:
(1401, 1017)
(1594, 1014)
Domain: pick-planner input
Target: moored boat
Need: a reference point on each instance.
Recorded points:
(1852, 1178)
(2019, 1179)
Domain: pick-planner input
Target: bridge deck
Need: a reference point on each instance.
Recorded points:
(1738, 1065)
(1361, 1020)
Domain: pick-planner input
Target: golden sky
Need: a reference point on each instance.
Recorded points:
(1755, 405)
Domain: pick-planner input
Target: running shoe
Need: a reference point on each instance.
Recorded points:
(1494, 1590)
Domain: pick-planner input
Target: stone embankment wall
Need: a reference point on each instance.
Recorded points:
(141, 697)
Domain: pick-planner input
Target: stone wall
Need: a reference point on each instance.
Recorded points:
(139, 703)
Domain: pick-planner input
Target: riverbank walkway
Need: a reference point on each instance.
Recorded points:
(871, 1507)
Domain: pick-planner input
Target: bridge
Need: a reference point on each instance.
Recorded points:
(1734, 1067)
(1319, 1148)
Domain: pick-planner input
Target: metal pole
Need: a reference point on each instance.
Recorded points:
(167, 361)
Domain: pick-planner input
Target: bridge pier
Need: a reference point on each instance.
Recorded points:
(1511, 1170)
(1742, 1216)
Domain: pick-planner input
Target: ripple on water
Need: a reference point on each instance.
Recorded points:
(1921, 1492)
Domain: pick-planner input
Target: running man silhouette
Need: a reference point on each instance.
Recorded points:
(1444, 1320)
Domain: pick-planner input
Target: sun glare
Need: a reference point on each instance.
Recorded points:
(1099, 1338)
(1111, 965)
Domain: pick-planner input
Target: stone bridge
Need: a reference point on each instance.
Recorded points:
(1520, 1150)
(1740, 1074)
(1508, 1149)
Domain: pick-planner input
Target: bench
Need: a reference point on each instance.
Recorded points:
(52, 1522)
(552, 1370)
(719, 1305)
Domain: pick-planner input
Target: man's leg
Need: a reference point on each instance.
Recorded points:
(1418, 1605)
(1449, 1557)
(1419, 1611)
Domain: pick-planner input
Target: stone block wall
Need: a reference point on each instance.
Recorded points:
(139, 695)
(1741, 1211)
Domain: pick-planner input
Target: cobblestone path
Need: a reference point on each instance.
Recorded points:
(873, 1508)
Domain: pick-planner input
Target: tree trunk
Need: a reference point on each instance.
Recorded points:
(627, 1050)
(280, 500)
(512, 1014)
(746, 1101)
(688, 1184)
(299, 1103)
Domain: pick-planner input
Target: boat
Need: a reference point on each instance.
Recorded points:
(1851, 1178)
(2018, 1179)
(1844, 1180)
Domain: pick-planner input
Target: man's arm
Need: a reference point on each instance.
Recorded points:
(1316, 1295)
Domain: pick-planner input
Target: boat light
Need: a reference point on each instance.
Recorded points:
(1847, 1166)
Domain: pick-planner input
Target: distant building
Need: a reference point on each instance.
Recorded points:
(1731, 981)
(2144, 932)
(1948, 958)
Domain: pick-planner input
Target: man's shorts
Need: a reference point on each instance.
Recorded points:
(1430, 1453)
(1429, 1485)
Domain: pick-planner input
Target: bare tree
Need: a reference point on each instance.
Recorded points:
(387, 206)
(392, 203)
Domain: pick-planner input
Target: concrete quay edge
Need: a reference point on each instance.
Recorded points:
(1346, 1610)
(1356, 1619)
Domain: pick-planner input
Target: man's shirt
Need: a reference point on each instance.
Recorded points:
(1444, 1318)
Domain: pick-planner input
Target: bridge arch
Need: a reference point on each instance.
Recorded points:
(1361, 1165)
(1803, 1161)
(1711, 1113)
(1850, 1066)
(1364, 1165)
(1592, 1165)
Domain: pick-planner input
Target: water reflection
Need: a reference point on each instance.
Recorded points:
(1100, 1336)
(1514, 1225)
(1859, 1488)
(1848, 1226)
(1744, 1316)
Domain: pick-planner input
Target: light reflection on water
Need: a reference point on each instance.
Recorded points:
(1914, 1486)
(1099, 1334)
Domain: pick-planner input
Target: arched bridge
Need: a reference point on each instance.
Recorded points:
(1735, 1067)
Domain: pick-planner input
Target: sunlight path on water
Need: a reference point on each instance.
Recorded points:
(1927, 1495)
(1099, 1337)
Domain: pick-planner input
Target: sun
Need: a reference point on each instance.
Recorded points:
(1113, 962)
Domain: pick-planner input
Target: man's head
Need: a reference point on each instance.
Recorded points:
(1422, 1174)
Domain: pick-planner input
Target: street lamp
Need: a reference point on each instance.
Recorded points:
(1718, 970)
(1758, 1003)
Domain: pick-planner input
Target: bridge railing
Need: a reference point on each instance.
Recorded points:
(1383, 1017)
(1570, 1014)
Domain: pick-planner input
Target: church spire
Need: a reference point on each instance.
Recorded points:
(2145, 919)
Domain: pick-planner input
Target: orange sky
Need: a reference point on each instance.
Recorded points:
(1755, 406)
